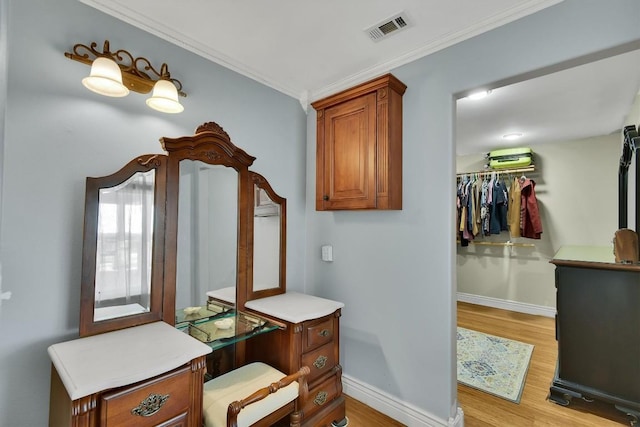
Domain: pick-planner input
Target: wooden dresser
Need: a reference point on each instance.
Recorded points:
(311, 337)
(597, 329)
(149, 375)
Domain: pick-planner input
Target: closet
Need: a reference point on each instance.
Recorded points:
(493, 202)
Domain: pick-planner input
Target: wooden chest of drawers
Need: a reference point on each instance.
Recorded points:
(148, 375)
(163, 401)
(314, 343)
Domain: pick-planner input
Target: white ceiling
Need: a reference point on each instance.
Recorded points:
(299, 47)
(580, 102)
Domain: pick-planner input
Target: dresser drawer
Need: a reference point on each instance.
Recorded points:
(320, 361)
(150, 403)
(317, 333)
(322, 395)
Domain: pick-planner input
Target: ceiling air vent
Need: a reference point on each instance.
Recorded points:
(388, 26)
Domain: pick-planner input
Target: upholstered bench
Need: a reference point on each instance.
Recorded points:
(253, 395)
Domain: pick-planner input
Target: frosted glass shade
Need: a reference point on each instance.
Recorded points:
(165, 98)
(105, 78)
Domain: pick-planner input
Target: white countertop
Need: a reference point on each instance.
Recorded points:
(294, 307)
(114, 359)
(225, 294)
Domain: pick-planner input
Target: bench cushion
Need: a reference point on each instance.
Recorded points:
(239, 384)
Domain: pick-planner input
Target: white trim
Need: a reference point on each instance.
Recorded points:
(398, 410)
(458, 420)
(520, 307)
(439, 44)
(128, 15)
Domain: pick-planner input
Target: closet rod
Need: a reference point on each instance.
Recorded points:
(520, 245)
(486, 171)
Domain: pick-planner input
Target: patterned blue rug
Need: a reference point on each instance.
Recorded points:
(493, 364)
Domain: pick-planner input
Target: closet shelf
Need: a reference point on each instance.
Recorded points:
(500, 171)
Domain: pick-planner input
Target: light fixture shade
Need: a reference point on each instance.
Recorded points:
(165, 98)
(105, 78)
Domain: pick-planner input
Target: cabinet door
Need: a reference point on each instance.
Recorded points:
(349, 154)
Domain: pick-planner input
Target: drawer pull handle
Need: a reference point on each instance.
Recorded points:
(324, 333)
(150, 405)
(320, 362)
(321, 398)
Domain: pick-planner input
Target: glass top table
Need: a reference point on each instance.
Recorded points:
(219, 325)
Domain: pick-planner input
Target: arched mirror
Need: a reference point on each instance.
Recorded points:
(269, 240)
(207, 245)
(208, 210)
(170, 232)
(123, 247)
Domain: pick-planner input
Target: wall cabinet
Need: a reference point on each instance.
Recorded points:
(359, 147)
(310, 337)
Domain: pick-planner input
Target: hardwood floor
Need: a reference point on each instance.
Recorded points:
(361, 415)
(484, 410)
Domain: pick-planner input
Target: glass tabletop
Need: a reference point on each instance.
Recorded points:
(219, 326)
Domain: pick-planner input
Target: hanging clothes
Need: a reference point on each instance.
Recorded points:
(531, 225)
(484, 209)
(461, 212)
(513, 216)
(476, 220)
(499, 207)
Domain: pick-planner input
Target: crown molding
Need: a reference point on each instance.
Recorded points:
(177, 38)
(442, 43)
(306, 95)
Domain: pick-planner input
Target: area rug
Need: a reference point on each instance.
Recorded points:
(493, 364)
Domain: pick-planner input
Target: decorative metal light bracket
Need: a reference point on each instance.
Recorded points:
(137, 73)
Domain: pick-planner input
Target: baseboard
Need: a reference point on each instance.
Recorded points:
(389, 405)
(409, 414)
(519, 307)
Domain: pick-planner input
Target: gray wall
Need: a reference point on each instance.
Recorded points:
(57, 133)
(395, 271)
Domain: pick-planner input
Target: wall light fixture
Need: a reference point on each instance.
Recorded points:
(115, 73)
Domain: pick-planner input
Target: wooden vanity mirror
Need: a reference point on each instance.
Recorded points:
(269, 231)
(199, 222)
(123, 248)
(211, 208)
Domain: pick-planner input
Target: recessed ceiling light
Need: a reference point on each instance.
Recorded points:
(512, 136)
(479, 95)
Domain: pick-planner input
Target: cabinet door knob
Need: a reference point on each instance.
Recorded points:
(325, 198)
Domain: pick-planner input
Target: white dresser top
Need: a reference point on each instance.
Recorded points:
(225, 294)
(114, 359)
(294, 307)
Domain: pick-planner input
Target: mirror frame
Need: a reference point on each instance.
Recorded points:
(144, 163)
(211, 145)
(261, 182)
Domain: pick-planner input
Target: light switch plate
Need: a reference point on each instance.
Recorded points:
(327, 253)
